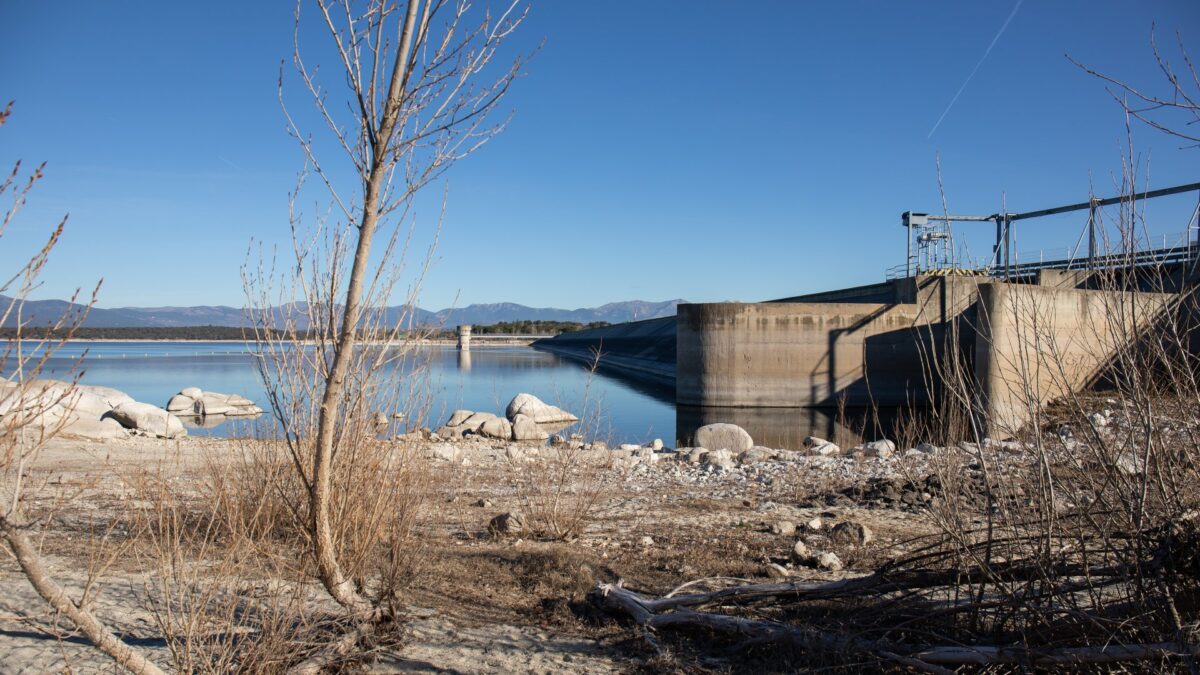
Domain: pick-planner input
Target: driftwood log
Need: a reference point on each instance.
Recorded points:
(677, 612)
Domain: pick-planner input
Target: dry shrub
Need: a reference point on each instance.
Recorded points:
(1093, 497)
(563, 484)
(230, 584)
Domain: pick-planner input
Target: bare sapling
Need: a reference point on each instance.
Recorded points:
(422, 87)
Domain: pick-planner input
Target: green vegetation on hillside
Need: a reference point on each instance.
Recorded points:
(536, 327)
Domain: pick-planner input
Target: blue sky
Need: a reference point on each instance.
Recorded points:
(703, 150)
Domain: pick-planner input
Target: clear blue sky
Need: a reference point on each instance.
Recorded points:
(702, 150)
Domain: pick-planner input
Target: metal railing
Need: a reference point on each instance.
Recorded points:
(1004, 262)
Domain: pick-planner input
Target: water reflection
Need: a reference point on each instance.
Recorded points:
(788, 427)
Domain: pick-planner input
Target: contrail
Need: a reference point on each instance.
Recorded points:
(967, 81)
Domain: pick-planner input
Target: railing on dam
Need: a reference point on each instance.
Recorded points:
(930, 245)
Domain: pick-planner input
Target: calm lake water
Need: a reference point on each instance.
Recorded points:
(483, 379)
(613, 407)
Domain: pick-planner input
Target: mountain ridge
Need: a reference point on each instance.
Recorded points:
(41, 313)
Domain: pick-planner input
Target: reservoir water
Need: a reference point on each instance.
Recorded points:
(484, 379)
(613, 407)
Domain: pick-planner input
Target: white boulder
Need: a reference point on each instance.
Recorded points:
(881, 449)
(194, 401)
(525, 429)
(148, 419)
(497, 427)
(722, 459)
(723, 436)
(820, 446)
(533, 407)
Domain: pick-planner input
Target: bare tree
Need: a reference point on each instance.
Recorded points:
(422, 88)
(1175, 112)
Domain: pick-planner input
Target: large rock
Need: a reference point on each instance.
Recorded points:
(148, 419)
(723, 436)
(525, 429)
(497, 427)
(533, 408)
(89, 429)
(113, 397)
(477, 420)
(63, 408)
(458, 417)
(193, 401)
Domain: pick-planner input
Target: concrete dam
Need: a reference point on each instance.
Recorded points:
(811, 364)
(784, 368)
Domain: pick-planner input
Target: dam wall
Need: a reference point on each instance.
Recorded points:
(1010, 347)
(642, 350)
(1037, 343)
(786, 355)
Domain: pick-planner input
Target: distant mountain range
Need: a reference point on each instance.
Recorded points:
(45, 312)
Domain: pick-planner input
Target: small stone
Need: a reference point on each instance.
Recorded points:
(850, 533)
(829, 561)
(927, 448)
(1098, 420)
(506, 524)
(825, 449)
(1129, 463)
(719, 458)
(656, 444)
(815, 524)
(881, 449)
(696, 455)
(646, 541)
(756, 454)
(449, 432)
(800, 551)
(630, 447)
(777, 571)
(482, 504)
(783, 528)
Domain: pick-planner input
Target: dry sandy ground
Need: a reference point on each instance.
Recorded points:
(481, 605)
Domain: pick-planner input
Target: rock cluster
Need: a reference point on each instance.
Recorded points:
(83, 411)
(198, 403)
(524, 416)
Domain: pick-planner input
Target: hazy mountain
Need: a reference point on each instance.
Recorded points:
(44, 312)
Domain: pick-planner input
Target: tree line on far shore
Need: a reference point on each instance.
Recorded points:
(237, 333)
